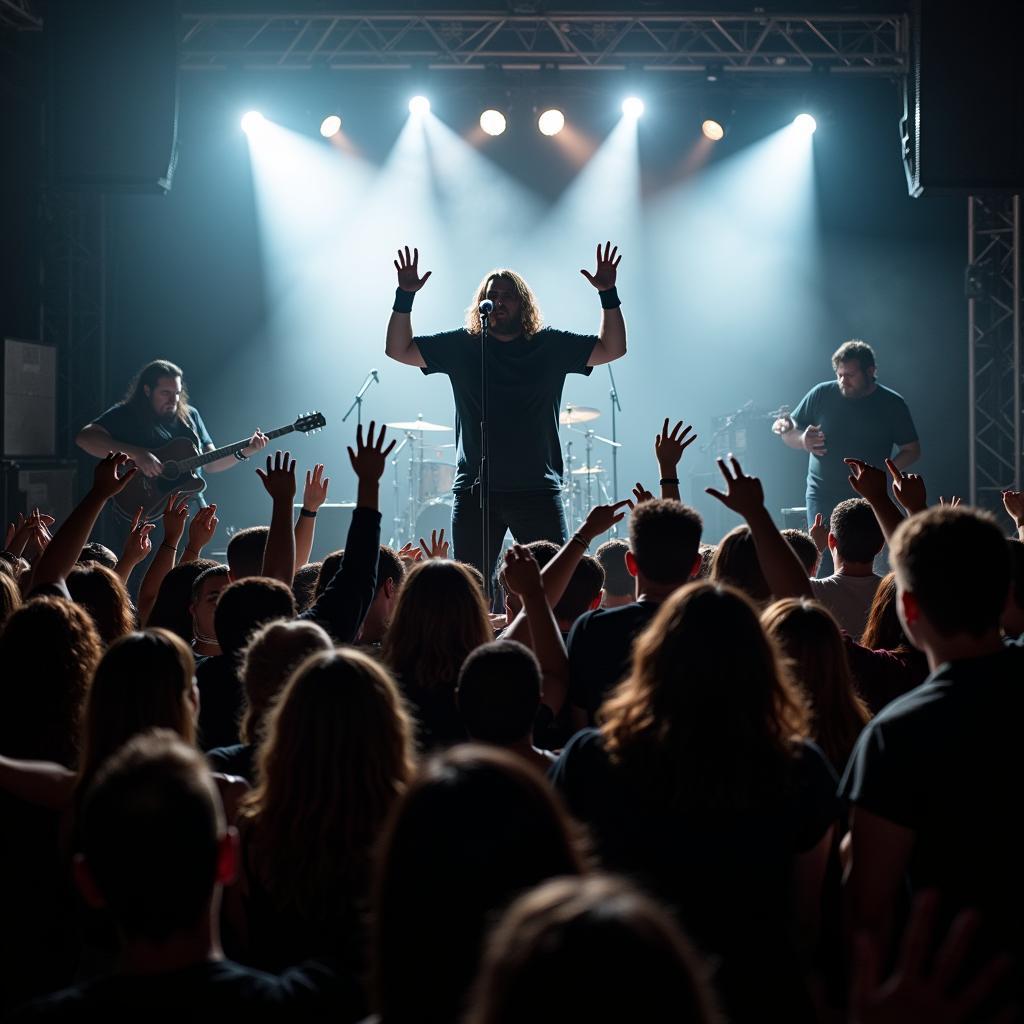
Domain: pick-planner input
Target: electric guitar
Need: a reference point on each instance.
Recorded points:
(180, 460)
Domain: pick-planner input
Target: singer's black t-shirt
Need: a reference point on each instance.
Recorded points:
(524, 392)
(862, 428)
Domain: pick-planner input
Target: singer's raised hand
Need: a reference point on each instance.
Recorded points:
(605, 275)
(408, 267)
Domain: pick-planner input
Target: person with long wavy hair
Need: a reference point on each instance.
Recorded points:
(439, 619)
(702, 784)
(102, 593)
(476, 828)
(526, 367)
(172, 607)
(735, 564)
(885, 664)
(808, 636)
(336, 756)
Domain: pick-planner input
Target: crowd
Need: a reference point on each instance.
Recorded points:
(675, 780)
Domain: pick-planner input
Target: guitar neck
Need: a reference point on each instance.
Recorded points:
(218, 453)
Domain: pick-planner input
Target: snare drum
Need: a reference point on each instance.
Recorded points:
(436, 479)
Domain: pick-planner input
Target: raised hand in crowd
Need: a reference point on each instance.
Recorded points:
(744, 495)
(137, 545)
(200, 532)
(175, 515)
(410, 554)
(908, 488)
(819, 533)
(62, 552)
(368, 461)
(1013, 502)
(600, 519)
(279, 482)
(954, 501)
(314, 494)
(408, 267)
(668, 450)
(922, 986)
(641, 494)
(438, 547)
(870, 483)
(28, 535)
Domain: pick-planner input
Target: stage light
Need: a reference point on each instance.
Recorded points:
(252, 121)
(551, 122)
(492, 122)
(419, 105)
(713, 130)
(633, 106)
(805, 124)
(330, 126)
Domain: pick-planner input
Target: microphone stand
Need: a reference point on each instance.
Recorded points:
(613, 394)
(485, 483)
(357, 402)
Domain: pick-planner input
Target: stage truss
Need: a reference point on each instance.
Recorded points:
(994, 324)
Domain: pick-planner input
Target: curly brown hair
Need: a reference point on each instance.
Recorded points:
(337, 754)
(530, 314)
(49, 648)
(439, 618)
(709, 713)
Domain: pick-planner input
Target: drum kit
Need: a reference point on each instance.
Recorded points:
(430, 473)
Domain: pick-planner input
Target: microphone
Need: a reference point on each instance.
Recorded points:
(486, 307)
(375, 374)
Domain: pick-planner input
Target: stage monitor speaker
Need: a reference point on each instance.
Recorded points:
(965, 130)
(30, 399)
(50, 487)
(113, 93)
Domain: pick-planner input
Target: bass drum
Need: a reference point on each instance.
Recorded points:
(434, 515)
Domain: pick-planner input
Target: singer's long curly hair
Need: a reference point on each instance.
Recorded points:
(530, 314)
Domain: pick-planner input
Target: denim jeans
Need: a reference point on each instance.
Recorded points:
(530, 515)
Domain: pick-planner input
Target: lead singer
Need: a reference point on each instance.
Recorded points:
(526, 368)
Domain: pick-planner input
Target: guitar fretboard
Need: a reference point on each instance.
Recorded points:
(218, 453)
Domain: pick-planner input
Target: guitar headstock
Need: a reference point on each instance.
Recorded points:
(310, 422)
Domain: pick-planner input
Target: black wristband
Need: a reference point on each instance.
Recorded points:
(669, 480)
(240, 456)
(403, 301)
(610, 298)
(306, 512)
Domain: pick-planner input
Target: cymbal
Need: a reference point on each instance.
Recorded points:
(417, 425)
(577, 414)
(586, 470)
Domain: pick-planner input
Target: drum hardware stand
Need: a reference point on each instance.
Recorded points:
(613, 394)
(397, 527)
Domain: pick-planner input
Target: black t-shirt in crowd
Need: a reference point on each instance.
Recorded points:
(856, 428)
(524, 393)
(600, 648)
(944, 761)
(217, 989)
(728, 873)
(125, 423)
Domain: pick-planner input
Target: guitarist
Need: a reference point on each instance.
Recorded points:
(156, 411)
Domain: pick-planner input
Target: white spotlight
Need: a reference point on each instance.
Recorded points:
(633, 106)
(419, 105)
(330, 126)
(492, 122)
(252, 121)
(551, 122)
(805, 124)
(713, 130)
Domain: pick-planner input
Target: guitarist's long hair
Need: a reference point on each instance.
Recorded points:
(147, 378)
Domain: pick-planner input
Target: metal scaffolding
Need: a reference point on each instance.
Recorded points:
(740, 43)
(994, 347)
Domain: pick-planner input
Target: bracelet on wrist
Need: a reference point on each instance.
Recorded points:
(403, 301)
(610, 298)
(170, 547)
(585, 544)
(307, 513)
(669, 480)
(241, 456)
